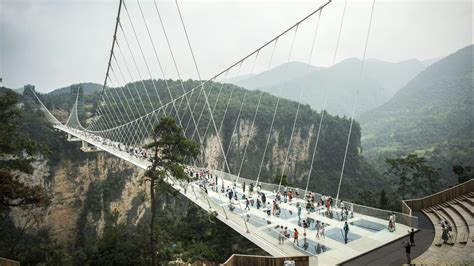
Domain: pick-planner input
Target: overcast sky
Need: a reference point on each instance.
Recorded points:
(55, 43)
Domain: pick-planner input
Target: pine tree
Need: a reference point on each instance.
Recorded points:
(170, 151)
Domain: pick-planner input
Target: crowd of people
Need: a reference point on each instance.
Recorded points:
(137, 152)
(324, 206)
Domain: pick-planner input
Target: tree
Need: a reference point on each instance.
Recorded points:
(170, 151)
(463, 173)
(383, 200)
(414, 175)
(16, 155)
(283, 179)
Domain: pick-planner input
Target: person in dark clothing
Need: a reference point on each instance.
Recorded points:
(412, 237)
(247, 204)
(346, 230)
(408, 251)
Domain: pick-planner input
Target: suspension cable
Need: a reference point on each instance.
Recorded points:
(323, 109)
(176, 68)
(276, 107)
(355, 101)
(159, 64)
(255, 114)
(285, 163)
(202, 84)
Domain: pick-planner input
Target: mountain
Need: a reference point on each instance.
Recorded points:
(379, 82)
(276, 75)
(237, 79)
(429, 62)
(89, 88)
(327, 164)
(63, 99)
(432, 115)
(393, 76)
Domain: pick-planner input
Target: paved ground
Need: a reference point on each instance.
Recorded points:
(394, 253)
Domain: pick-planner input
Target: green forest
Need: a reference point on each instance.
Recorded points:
(359, 175)
(392, 156)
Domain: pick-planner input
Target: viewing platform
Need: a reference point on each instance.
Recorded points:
(368, 227)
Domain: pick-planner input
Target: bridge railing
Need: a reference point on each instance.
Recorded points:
(403, 218)
(446, 195)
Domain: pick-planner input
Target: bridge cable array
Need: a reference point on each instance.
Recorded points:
(128, 111)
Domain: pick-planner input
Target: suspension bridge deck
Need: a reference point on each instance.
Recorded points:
(366, 232)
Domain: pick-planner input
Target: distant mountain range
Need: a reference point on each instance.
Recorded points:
(379, 83)
(432, 115)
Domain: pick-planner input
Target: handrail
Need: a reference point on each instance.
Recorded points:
(439, 197)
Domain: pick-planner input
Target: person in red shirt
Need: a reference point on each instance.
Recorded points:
(295, 236)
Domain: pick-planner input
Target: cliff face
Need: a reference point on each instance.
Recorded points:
(276, 154)
(83, 193)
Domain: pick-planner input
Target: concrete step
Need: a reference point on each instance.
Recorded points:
(462, 232)
(445, 216)
(466, 206)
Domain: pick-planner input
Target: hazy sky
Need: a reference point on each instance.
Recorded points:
(56, 43)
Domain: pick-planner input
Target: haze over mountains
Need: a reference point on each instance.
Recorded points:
(405, 107)
(380, 81)
(432, 115)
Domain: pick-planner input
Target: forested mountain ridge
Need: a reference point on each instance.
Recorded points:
(327, 164)
(431, 115)
(379, 82)
(97, 207)
(275, 76)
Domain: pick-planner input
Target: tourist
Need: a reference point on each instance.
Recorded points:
(287, 233)
(318, 228)
(281, 235)
(408, 251)
(346, 231)
(394, 221)
(299, 211)
(305, 226)
(230, 194)
(235, 194)
(295, 236)
(269, 209)
(247, 204)
(323, 228)
(264, 199)
(278, 196)
(390, 224)
(412, 237)
(259, 204)
(290, 195)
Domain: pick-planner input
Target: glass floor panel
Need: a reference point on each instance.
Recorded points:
(368, 225)
(338, 235)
